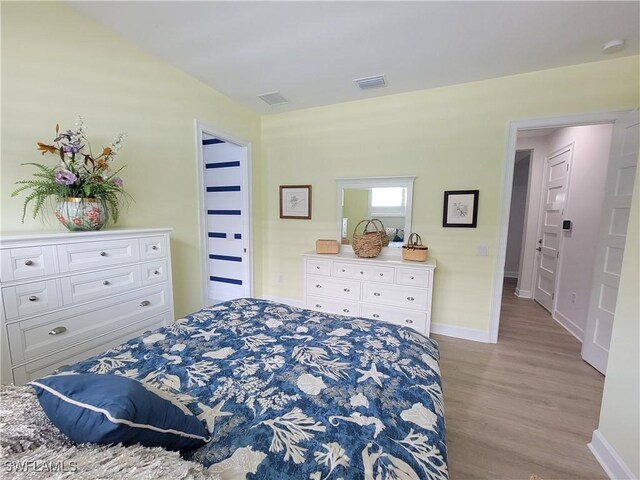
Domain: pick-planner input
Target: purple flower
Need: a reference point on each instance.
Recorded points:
(73, 147)
(117, 181)
(65, 177)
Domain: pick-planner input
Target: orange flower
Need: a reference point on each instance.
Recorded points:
(107, 151)
(102, 164)
(44, 148)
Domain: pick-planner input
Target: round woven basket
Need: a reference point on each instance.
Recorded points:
(367, 244)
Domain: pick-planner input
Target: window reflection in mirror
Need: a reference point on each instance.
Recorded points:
(385, 198)
(388, 204)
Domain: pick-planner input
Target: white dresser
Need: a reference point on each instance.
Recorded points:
(67, 296)
(385, 288)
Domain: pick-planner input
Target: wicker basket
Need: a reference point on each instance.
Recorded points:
(327, 246)
(414, 250)
(383, 233)
(367, 244)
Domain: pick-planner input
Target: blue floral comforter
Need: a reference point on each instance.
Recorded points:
(295, 394)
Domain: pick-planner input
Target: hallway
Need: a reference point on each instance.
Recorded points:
(526, 405)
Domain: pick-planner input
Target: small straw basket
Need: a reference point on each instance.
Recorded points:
(414, 250)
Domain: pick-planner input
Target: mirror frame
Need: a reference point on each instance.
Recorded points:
(377, 182)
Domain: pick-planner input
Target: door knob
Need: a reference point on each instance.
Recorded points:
(539, 249)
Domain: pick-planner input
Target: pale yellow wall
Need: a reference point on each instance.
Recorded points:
(355, 209)
(620, 413)
(57, 64)
(450, 138)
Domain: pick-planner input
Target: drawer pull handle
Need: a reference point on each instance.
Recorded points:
(411, 299)
(345, 310)
(33, 298)
(58, 330)
(103, 254)
(317, 267)
(343, 270)
(156, 272)
(154, 247)
(375, 315)
(382, 274)
(106, 282)
(408, 320)
(376, 294)
(347, 290)
(318, 305)
(28, 263)
(318, 286)
(145, 303)
(361, 273)
(412, 277)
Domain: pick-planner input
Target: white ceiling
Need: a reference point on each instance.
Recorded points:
(311, 51)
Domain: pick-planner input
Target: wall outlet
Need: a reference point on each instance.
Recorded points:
(483, 250)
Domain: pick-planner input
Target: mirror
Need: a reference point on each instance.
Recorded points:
(388, 199)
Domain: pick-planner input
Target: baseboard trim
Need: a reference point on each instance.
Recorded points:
(288, 301)
(568, 325)
(511, 274)
(523, 293)
(609, 459)
(464, 333)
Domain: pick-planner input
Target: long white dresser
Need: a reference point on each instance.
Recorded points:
(70, 295)
(384, 288)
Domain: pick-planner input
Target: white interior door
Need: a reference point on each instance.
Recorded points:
(621, 176)
(554, 197)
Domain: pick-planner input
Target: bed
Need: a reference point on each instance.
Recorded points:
(288, 393)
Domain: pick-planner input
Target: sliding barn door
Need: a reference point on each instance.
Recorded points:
(226, 205)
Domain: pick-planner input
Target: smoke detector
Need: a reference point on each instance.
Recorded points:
(613, 46)
(368, 83)
(273, 98)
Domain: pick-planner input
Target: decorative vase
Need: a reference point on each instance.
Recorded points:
(81, 214)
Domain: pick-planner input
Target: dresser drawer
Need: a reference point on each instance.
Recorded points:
(403, 297)
(43, 335)
(81, 256)
(373, 273)
(27, 262)
(408, 318)
(413, 277)
(154, 272)
(94, 285)
(338, 289)
(153, 247)
(30, 299)
(318, 267)
(330, 305)
(49, 364)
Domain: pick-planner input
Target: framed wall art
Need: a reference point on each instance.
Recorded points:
(295, 201)
(460, 208)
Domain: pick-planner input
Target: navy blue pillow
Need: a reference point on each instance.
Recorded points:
(111, 409)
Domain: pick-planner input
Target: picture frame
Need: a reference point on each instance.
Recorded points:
(460, 208)
(295, 202)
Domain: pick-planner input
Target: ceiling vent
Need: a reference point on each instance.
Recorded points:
(273, 98)
(367, 83)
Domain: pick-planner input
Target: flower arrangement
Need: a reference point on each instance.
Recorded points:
(79, 176)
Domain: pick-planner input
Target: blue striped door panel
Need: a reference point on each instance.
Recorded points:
(222, 165)
(233, 281)
(228, 258)
(224, 188)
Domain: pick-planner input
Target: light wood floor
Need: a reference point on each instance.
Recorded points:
(528, 404)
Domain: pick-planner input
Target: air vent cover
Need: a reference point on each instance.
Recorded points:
(367, 83)
(273, 98)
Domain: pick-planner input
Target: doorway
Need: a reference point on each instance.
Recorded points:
(225, 216)
(618, 119)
